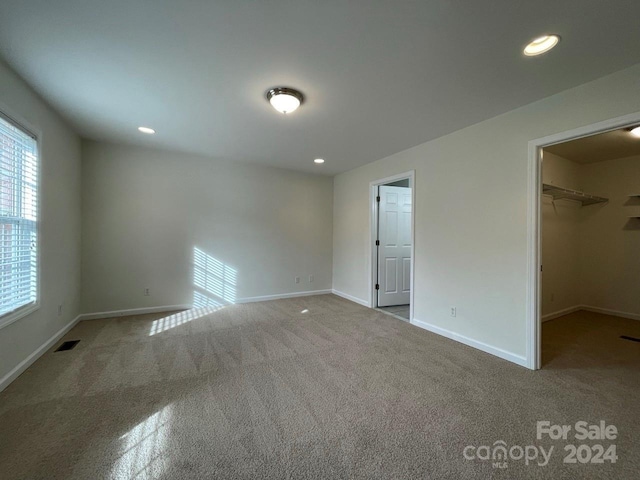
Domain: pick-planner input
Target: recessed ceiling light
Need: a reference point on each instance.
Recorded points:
(285, 100)
(636, 132)
(147, 130)
(541, 45)
(319, 160)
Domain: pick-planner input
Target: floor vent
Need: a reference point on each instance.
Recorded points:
(633, 339)
(67, 345)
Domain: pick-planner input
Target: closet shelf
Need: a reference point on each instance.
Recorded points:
(559, 193)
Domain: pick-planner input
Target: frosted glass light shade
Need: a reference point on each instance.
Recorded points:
(285, 100)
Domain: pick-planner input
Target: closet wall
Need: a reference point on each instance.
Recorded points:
(560, 238)
(590, 254)
(610, 246)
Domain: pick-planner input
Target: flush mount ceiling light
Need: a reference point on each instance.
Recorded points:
(319, 160)
(635, 132)
(147, 130)
(285, 100)
(541, 45)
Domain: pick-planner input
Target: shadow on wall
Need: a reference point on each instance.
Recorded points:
(213, 280)
(214, 285)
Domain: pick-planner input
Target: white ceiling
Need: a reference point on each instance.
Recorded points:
(380, 76)
(598, 148)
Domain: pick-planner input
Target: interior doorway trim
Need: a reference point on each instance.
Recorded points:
(373, 224)
(534, 207)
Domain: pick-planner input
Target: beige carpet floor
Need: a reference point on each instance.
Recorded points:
(314, 387)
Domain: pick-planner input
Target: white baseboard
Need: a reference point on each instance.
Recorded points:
(132, 311)
(498, 352)
(278, 296)
(27, 362)
(351, 297)
(606, 311)
(589, 308)
(561, 313)
(173, 308)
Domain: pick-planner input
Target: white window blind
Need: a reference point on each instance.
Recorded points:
(18, 217)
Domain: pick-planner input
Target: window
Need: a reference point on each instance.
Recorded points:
(18, 221)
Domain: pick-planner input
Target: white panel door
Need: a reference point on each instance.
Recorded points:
(394, 251)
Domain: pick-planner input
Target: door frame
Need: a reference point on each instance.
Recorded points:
(534, 218)
(373, 228)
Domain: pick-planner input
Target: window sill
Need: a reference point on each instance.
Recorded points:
(16, 315)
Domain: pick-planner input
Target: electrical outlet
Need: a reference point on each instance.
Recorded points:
(147, 292)
(59, 309)
(310, 278)
(297, 279)
(454, 311)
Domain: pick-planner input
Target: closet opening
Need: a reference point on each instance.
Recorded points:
(589, 239)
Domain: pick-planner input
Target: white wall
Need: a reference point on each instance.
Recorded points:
(144, 212)
(561, 284)
(610, 240)
(471, 213)
(59, 223)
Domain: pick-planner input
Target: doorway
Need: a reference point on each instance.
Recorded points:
(545, 194)
(393, 245)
